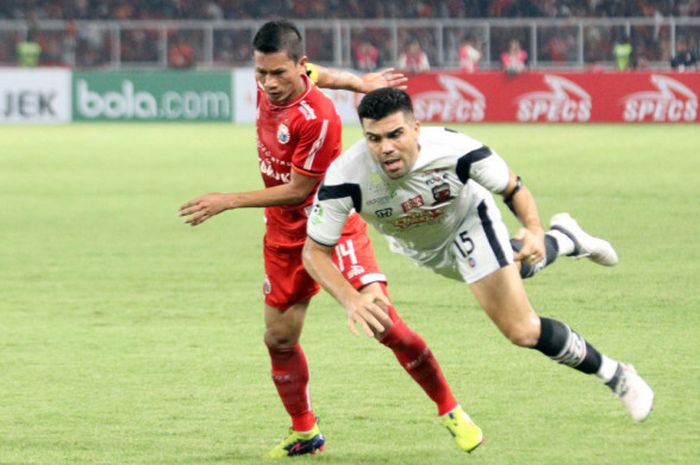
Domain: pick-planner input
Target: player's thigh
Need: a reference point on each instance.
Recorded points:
(502, 296)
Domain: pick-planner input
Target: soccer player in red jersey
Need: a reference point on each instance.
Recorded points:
(299, 135)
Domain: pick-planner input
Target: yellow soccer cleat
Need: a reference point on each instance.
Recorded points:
(467, 435)
(298, 443)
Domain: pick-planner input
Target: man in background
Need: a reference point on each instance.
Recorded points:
(514, 59)
(29, 51)
(684, 59)
(414, 59)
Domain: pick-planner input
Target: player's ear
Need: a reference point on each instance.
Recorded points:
(416, 125)
(303, 61)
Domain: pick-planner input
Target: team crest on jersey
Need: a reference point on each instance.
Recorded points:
(410, 204)
(441, 193)
(282, 133)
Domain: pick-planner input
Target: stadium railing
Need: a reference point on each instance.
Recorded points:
(566, 44)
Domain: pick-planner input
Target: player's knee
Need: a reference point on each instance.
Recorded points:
(522, 335)
(280, 337)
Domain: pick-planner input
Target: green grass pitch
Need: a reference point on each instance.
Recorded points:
(127, 337)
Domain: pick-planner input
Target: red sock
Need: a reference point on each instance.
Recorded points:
(416, 358)
(290, 373)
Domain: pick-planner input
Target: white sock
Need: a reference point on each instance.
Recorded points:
(566, 245)
(607, 369)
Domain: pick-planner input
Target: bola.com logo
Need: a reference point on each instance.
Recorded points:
(130, 103)
(671, 101)
(564, 101)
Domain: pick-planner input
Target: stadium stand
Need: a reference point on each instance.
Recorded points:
(217, 33)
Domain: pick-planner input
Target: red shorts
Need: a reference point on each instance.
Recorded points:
(287, 282)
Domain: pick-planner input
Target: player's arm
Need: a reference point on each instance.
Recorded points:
(522, 203)
(201, 208)
(313, 139)
(362, 309)
(324, 228)
(491, 171)
(331, 78)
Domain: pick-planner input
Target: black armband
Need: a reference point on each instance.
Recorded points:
(508, 199)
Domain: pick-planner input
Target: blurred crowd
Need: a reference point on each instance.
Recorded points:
(342, 9)
(85, 44)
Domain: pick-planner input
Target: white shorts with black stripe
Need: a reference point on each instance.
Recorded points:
(480, 246)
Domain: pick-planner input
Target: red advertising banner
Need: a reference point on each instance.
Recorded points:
(556, 97)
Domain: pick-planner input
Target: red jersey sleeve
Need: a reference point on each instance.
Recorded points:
(319, 144)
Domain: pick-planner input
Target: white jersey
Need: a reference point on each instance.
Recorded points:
(421, 212)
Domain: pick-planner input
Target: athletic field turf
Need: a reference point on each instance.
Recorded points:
(129, 338)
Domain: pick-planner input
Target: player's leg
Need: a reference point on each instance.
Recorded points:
(414, 355)
(355, 258)
(288, 289)
(503, 297)
(290, 372)
(567, 238)
(484, 259)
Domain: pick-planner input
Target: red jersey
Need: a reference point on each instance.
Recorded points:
(302, 135)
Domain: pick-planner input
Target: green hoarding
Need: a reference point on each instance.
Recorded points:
(153, 96)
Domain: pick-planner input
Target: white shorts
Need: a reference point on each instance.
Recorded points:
(480, 246)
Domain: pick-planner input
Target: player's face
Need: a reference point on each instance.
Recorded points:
(279, 75)
(393, 142)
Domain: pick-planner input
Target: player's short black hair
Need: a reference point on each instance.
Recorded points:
(383, 102)
(275, 36)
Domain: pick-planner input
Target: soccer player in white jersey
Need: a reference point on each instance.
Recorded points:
(429, 191)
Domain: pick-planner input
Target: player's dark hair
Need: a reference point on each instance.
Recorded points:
(275, 36)
(383, 102)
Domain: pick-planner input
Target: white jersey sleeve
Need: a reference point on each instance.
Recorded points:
(490, 170)
(332, 206)
(338, 196)
(480, 164)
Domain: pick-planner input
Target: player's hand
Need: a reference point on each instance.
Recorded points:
(384, 78)
(370, 311)
(198, 210)
(533, 250)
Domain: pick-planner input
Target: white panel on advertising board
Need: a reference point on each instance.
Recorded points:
(35, 95)
(244, 95)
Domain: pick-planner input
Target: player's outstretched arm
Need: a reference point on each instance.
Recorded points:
(331, 78)
(200, 209)
(363, 309)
